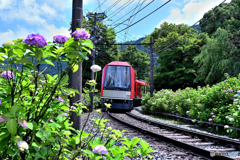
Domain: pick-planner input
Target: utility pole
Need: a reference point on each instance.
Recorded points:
(95, 38)
(76, 78)
(151, 67)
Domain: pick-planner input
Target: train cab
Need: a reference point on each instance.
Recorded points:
(117, 88)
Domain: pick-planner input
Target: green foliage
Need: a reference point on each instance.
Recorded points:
(220, 99)
(217, 57)
(138, 60)
(176, 68)
(230, 22)
(35, 111)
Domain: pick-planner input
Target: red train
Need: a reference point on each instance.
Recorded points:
(120, 88)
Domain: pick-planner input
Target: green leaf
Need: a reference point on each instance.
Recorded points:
(45, 61)
(144, 144)
(30, 125)
(18, 52)
(15, 108)
(12, 126)
(23, 60)
(3, 142)
(75, 68)
(64, 81)
(2, 50)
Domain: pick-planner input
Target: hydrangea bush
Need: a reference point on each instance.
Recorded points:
(35, 112)
(216, 104)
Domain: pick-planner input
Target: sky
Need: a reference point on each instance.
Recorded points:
(19, 18)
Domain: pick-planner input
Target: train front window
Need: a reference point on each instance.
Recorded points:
(117, 77)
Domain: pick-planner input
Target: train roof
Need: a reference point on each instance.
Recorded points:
(141, 82)
(118, 63)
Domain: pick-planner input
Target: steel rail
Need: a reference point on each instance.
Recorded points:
(189, 148)
(221, 140)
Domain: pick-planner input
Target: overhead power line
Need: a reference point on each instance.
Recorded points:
(123, 6)
(131, 10)
(193, 25)
(134, 14)
(99, 6)
(202, 30)
(113, 5)
(144, 17)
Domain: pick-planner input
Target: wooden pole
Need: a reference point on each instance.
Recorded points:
(151, 67)
(76, 78)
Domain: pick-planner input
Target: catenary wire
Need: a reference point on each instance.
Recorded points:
(203, 30)
(193, 25)
(99, 5)
(113, 5)
(145, 16)
(132, 15)
(121, 8)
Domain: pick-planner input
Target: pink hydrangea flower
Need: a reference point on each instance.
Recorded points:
(51, 120)
(224, 91)
(213, 116)
(230, 90)
(209, 119)
(237, 87)
(100, 149)
(212, 113)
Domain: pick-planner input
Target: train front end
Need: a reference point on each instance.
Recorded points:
(117, 88)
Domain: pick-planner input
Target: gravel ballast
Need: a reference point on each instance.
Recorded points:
(164, 151)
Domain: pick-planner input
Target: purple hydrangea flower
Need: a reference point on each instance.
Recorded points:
(7, 74)
(100, 149)
(36, 40)
(60, 99)
(42, 82)
(22, 145)
(81, 34)
(230, 90)
(0, 101)
(59, 39)
(67, 110)
(224, 91)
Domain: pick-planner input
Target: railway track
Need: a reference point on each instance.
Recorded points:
(201, 144)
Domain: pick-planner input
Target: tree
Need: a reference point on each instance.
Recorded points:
(230, 22)
(217, 57)
(139, 60)
(176, 68)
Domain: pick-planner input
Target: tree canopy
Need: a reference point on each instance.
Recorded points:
(217, 57)
(139, 60)
(176, 68)
(230, 22)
